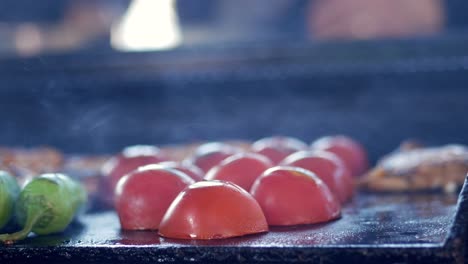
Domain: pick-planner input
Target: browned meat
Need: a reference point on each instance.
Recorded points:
(410, 144)
(25, 163)
(418, 169)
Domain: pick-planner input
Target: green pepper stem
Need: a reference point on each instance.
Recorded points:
(31, 220)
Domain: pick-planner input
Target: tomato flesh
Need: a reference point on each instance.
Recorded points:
(143, 196)
(213, 210)
(242, 169)
(277, 148)
(350, 151)
(208, 155)
(328, 167)
(127, 161)
(293, 196)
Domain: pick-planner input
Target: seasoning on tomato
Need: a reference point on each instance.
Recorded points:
(191, 170)
(143, 196)
(350, 151)
(294, 196)
(242, 169)
(213, 210)
(277, 148)
(208, 155)
(128, 160)
(328, 167)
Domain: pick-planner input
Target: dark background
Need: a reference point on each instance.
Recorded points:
(379, 92)
(96, 100)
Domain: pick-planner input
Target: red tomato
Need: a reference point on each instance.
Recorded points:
(328, 167)
(350, 151)
(143, 196)
(191, 170)
(212, 210)
(128, 160)
(278, 148)
(293, 196)
(208, 155)
(241, 169)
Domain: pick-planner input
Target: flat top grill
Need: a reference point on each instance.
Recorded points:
(424, 228)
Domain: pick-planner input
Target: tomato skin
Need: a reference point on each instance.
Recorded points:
(208, 155)
(143, 196)
(294, 196)
(328, 167)
(277, 148)
(350, 151)
(242, 169)
(128, 160)
(213, 210)
(191, 170)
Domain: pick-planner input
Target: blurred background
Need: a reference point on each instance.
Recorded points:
(97, 75)
(58, 26)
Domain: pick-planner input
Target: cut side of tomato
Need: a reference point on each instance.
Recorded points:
(213, 210)
(328, 167)
(143, 196)
(242, 169)
(294, 196)
(277, 148)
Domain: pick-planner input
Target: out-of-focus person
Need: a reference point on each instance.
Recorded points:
(310, 19)
(367, 19)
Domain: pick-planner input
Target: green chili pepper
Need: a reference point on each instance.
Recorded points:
(9, 191)
(47, 205)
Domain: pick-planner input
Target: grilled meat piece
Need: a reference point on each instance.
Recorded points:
(26, 163)
(437, 168)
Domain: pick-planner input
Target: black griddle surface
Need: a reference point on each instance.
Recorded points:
(373, 227)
